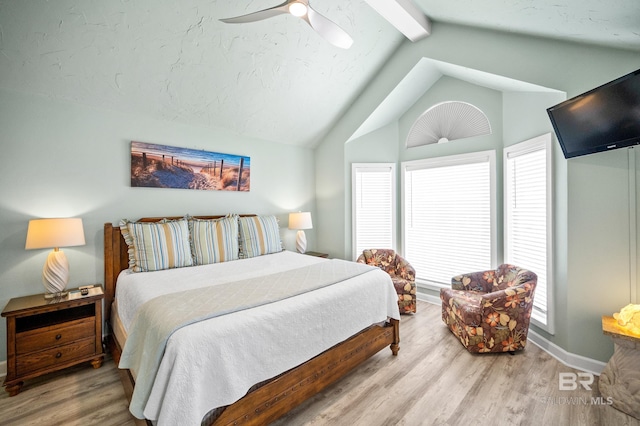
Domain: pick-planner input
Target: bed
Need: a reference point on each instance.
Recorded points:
(243, 377)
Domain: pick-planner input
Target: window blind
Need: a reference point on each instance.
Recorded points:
(448, 216)
(528, 216)
(374, 206)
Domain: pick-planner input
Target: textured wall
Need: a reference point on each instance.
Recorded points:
(175, 61)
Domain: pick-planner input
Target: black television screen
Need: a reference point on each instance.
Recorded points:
(605, 118)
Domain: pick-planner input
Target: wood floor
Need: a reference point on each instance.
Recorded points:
(432, 381)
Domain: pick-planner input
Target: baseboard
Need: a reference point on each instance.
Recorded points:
(3, 369)
(569, 359)
(434, 300)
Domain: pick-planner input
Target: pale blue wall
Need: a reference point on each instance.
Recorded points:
(598, 280)
(61, 159)
(592, 265)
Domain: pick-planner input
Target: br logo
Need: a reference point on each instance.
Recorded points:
(569, 381)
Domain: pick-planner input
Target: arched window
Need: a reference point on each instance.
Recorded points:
(448, 121)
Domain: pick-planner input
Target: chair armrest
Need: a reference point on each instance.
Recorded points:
(481, 281)
(404, 270)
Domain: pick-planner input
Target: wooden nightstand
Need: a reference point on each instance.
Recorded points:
(316, 254)
(46, 335)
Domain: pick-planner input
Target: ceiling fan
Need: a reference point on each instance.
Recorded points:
(328, 29)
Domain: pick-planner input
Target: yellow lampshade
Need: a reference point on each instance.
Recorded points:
(53, 233)
(300, 220)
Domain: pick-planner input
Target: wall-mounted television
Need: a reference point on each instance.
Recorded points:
(605, 118)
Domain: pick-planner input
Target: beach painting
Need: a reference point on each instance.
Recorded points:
(161, 166)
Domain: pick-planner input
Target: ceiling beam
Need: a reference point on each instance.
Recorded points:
(405, 16)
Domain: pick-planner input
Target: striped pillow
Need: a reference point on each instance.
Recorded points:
(157, 245)
(259, 235)
(214, 241)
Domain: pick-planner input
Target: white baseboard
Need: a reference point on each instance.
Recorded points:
(434, 300)
(569, 359)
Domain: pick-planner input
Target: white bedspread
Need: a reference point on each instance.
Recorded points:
(214, 362)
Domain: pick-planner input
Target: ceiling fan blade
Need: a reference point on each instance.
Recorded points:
(260, 15)
(328, 29)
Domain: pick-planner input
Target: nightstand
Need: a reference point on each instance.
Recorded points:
(316, 254)
(46, 335)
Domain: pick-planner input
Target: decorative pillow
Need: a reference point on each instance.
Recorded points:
(215, 240)
(157, 245)
(259, 235)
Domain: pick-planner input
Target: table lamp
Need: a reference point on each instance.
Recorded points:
(300, 221)
(55, 233)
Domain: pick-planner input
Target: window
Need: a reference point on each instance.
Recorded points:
(374, 206)
(449, 220)
(528, 218)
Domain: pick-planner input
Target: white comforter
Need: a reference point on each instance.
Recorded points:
(214, 362)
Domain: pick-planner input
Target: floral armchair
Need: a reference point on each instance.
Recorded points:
(401, 272)
(489, 311)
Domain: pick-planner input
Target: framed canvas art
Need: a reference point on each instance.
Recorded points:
(162, 166)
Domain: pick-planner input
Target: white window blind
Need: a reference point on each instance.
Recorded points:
(527, 201)
(374, 206)
(448, 216)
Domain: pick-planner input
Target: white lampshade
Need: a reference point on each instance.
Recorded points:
(300, 220)
(55, 233)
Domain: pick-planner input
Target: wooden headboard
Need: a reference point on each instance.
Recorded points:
(116, 256)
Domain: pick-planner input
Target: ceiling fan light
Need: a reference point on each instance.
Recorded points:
(297, 9)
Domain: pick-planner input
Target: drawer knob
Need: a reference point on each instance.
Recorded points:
(59, 354)
(58, 336)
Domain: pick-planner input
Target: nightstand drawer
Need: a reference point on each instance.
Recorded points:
(53, 336)
(43, 359)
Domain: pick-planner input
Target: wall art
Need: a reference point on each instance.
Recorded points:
(161, 166)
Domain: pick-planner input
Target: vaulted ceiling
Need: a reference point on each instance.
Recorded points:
(274, 80)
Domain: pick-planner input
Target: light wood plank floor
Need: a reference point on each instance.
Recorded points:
(434, 380)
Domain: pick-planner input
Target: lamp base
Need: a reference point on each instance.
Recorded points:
(55, 274)
(58, 295)
(301, 242)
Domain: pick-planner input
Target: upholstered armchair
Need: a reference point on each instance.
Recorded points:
(401, 272)
(489, 311)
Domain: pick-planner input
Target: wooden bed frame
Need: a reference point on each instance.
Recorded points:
(276, 397)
